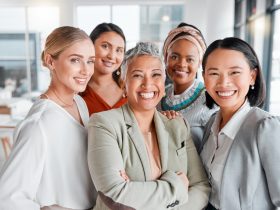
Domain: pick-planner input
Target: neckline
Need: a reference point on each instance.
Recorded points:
(184, 102)
(66, 112)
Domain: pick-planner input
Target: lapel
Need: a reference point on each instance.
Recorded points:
(136, 137)
(161, 126)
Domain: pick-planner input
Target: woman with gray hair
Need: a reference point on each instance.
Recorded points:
(139, 159)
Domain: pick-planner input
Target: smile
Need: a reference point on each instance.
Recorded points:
(148, 95)
(226, 93)
(81, 80)
(108, 64)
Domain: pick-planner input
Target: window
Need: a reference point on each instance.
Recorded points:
(275, 70)
(145, 22)
(23, 30)
(261, 19)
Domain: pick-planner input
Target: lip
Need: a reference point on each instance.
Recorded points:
(80, 80)
(147, 95)
(108, 63)
(227, 93)
(180, 72)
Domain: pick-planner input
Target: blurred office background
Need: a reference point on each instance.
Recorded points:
(24, 25)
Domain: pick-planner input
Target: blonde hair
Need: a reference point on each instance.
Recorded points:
(60, 39)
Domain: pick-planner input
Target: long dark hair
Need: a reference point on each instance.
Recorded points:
(109, 27)
(256, 96)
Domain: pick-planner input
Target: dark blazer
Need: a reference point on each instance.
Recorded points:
(251, 174)
(116, 143)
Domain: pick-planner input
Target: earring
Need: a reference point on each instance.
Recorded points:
(252, 87)
(118, 72)
(124, 95)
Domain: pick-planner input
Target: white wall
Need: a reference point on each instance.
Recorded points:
(215, 18)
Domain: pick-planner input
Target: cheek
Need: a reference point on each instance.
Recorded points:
(120, 58)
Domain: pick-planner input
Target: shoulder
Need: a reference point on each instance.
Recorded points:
(112, 116)
(266, 120)
(31, 128)
(177, 126)
(259, 116)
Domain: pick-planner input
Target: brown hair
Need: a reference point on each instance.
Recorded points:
(60, 39)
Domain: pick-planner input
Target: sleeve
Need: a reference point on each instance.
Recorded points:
(105, 162)
(269, 149)
(199, 187)
(21, 174)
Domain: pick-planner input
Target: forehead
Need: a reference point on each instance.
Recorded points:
(83, 47)
(182, 46)
(145, 62)
(111, 37)
(226, 57)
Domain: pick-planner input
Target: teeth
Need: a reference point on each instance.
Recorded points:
(80, 80)
(226, 93)
(147, 95)
(108, 64)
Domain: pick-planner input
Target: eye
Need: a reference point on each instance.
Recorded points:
(91, 61)
(190, 60)
(157, 75)
(137, 76)
(75, 60)
(105, 46)
(235, 72)
(174, 57)
(119, 50)
(213, 74)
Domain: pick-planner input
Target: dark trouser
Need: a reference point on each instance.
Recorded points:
(210, 207)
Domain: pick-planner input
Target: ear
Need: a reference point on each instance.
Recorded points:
(49, 61)
(254, 73)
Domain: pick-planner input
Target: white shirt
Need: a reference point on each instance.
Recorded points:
(217, 147)
(48, 163)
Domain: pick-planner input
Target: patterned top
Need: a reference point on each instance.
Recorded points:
(191, 105)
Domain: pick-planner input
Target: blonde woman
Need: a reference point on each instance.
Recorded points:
(47, 168)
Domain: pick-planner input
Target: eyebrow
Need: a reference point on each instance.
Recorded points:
(106, 42)
(189, 55)
(81, 56)
(216, 69)
(157, 70)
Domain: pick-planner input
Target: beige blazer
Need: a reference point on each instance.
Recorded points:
(116, 143)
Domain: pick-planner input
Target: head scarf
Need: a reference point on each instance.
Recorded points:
(191, 34)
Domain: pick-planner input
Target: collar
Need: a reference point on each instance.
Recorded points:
(233, 125)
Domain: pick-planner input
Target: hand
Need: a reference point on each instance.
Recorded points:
(124, 175)
(171, 114)
(184, 178)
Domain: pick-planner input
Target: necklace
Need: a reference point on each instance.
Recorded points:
(65, 104)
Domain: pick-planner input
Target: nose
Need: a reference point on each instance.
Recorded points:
(111, 54)
(146, 82)
(85, 68)
(182, 62)
(224, 80)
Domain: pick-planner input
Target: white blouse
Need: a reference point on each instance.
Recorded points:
(48, 163)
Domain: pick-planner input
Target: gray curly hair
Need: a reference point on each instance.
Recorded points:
(141, 48)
